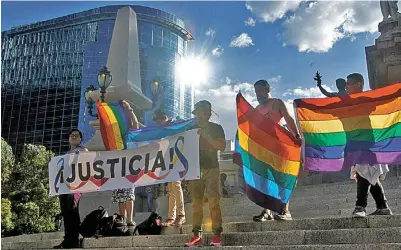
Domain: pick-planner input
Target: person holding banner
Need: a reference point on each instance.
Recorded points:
(176, 209)
(275, 110)
(126, 197)
(367, 176)
(211, 140)
(69, 202)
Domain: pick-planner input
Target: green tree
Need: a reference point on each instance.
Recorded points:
(7, 161)
(29, 187)
(6, 216)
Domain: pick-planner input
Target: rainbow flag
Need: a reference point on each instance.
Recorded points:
(116, 132)
(158, 132)
(268, 155)
(114, 124)
(363, 128)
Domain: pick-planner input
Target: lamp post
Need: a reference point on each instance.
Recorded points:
(89, 101)
(104, 79)
(156, 89)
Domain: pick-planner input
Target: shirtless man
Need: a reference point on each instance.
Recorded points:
(274, 109)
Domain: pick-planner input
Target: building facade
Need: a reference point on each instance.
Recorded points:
(47, 66)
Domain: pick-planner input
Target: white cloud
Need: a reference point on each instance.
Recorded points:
(227, 80)
(250, 22)
(223, 103)
(210, 32)
(307, 92)
(243, 40)
(274, 80)
(289, 104)
(272, 10)
(317, 26)
(218, 51)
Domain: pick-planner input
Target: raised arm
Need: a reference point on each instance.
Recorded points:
(133, 120)
(326, 93)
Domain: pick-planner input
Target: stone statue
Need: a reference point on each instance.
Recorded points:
(389, 8)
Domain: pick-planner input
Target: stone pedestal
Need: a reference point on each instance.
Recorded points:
(384, 58)
(123, 63)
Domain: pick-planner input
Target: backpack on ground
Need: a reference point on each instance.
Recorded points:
(92, 223)
(115, 225)
(151, 226)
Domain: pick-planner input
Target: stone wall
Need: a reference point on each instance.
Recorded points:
(384, 58)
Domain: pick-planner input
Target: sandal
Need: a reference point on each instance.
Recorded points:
(168, 223)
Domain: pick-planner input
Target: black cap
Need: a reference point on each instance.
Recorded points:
(202, 105)
(158, 114)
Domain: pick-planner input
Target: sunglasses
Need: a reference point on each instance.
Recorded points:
(75, 136)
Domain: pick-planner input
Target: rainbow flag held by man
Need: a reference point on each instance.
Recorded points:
(268, 155)
(116, 132)
(363, 128)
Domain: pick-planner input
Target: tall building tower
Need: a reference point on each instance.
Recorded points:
(47, 66)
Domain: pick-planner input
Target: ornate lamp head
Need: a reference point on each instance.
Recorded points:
(104, 79)
(156, 87)
(89, 101)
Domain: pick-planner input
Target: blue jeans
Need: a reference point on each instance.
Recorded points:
(150, 197)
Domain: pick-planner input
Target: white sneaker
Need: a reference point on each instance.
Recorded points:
(359, 212)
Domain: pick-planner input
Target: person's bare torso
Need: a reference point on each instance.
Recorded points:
(271, 110)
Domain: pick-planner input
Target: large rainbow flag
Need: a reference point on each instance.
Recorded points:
(269, 156)
(363, 128)
(116, 132)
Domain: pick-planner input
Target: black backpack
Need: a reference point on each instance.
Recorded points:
(92, 223)
(151, 226)
(115, 225)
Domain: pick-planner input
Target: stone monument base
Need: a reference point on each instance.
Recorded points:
(384, 58)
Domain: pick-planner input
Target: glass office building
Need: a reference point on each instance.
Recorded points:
(47, 66)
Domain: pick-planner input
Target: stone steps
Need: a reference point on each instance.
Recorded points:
(271, 238)
(303, 194)
(383, 246)
(327, 231)
(296, 224)
(320, 232)
(299, 209)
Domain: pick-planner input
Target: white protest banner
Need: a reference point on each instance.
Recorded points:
(171, 159)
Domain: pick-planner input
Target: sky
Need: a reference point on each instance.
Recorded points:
(285, 42)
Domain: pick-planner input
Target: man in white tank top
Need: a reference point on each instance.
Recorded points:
(275, 110)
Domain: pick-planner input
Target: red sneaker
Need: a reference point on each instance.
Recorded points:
(196, 241)
(216, 241)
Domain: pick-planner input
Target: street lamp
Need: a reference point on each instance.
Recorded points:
(156, 89)
(89, 99)
(104, 79)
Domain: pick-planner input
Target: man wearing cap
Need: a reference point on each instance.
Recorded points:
(176, 209)
(211, 140)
